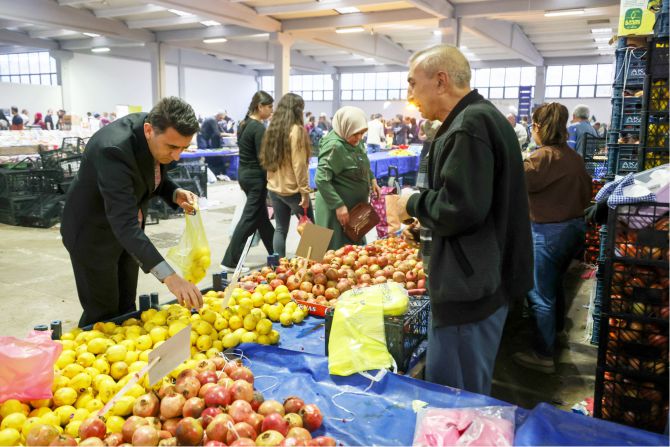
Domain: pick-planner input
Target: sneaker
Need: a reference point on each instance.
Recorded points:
(231, 270)
(534, 361)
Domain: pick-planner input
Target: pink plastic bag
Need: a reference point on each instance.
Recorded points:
(483, 426)
(388, 222)
(27, 371)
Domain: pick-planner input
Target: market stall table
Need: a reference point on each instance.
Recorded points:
(220, 161)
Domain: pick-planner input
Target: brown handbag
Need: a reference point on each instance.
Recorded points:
(362, 219)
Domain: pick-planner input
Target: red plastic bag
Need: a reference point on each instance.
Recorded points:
(388, 221)
(304, 220)
(477, 426)
(27, 371)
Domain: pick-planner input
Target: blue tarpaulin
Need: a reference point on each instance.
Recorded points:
(384, 416)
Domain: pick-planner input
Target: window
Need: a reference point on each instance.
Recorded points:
(374, 86)
(28, 68)
(499, 83)
(310, 87)
(579, 81)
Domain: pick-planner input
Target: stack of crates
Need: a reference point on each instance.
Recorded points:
(21, 190)
(654, 134)
(595, 156)
(632, 369)
(595, 254)
(624, 136)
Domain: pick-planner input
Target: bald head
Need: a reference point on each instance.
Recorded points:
(444, 58)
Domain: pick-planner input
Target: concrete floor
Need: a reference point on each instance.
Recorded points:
(37, 286)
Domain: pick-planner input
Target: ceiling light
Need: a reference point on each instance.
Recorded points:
(215, 40)
(601, 30)
(91, 34)
(564, 12)
(437, 32)
(601, 39)
(210, 23)
(180, 13)
(368, 59)
(463, 48)
(347, 10)
(351, 29)
(100, 50)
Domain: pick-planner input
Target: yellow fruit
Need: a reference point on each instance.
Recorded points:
(274, 337)
(80, 382)
(239, 332)
(204, 342)
(94, 405)
(285, 319)
(67, 336)
(100, 379)
(50, 418)
(64, 413)
(72, 428)
(65, 396)
(284, 298)
(10, 436)
(129, 344)
(250, 322)
(107, 391)
(116, 353)
(101, 365)
(143, 342)
(281, 289)
(218, 345)
(136, 366)
(158, 344)
(175, 327)
(118, 370)
(80, 414)
(202, 327)
(208, 315)
(136, 391)
(273, 313)
(234, 322)
(249, 337)
(144, 356)
(263, 340)
(59, 382)
(98, 345)
(67, 344)
(297, 316)
(131, 322)
(39, 412)
(66, 358)
(230, 341)
(131, 357)
(10, 406)
(270, 297)
(72, 370)
(13, 420)
(264, 327)
(92, 372)
(114, 424)
(220, 323)
(28, 424)
(85, 359)
(148, 315)
(84, 398)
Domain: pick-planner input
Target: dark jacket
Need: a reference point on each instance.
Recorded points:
(115, 180)
(249, 139)
(477, 209)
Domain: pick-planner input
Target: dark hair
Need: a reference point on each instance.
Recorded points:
(551, 121)
(276, 145)
(176, 113)
(260, 98)
(15, 109)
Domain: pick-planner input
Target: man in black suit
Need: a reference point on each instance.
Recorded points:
(103, 218)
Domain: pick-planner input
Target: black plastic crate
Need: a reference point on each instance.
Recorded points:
(653, 157)
(631, 66)
(638, 290)
(661, 30)
(622, 159)
(43, 212)
(403, 334)
(658, 95)
(639, 234)
(74, 145)
(12, 207)
(17, 183)
(656, 126)
(638, 403)
(626, 112)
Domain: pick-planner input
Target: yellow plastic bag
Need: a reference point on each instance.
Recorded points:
(357, 342)
(192, 254)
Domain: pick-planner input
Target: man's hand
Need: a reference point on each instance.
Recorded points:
(342, 214)
(187, 294)
(186, 199)
(376, 190)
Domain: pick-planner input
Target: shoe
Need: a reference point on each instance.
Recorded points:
(226, 269)
(534, 361)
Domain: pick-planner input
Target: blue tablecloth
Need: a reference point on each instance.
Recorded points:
(383, 415)
(220, 161)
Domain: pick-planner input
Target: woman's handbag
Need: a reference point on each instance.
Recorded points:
(362, 219)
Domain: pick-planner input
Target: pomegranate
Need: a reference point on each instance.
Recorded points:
(242, 373)
(204, 388)
(41, 434)
(214, 444)
(311, 417)
(240, 410)
(207, 377)
(165, 389)
(193, 407)
(92, 441)
(146, 405)
(205, 365)
(169, 442)
(306, 286)
(299, 433)
(292, 283)
(320, 279)
(113, 440)
(172, 405)
(240, 430)
(276, 422)
(318, 289)
(276, 283)
(398, 277)
(257, 400)
(246, 442)
(323, 441)
(411, 276)
(219, 362)
(292, 442)
(65, 440)
(187, 373)
(154, 422)
(188, 386)
(189, 432)
(164, 434)
(129, 427)
(242, 390)
(226, 382)
(171, 425)
(217, 396)
(90, 428)
(256, 421)
(271, 406)
(145, 435)
(331, 293)
(269, 438)
(218, 427)
(293, 420)
(208, 414)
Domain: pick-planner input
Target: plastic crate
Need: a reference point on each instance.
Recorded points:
(43, 212)
(627, 400)
(622, 159)
(69, 166)
(626, 111)
(631, 66)
(637, 290)
(639, 234)
(74, 145)
(11, 208)
(403, 334)
(657, 98)
(17, 183)
(595, 153)
(661, 27)
(656, 128)
(653, 157)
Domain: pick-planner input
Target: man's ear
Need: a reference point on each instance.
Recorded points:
(442, 79)
(148, 131)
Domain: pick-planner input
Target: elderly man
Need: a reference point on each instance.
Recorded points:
(210, 134)
(476, 207)
(580, 126)
(519, 129)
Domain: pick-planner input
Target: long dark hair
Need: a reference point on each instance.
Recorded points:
(276, 145)
(260, 98)
(552, 120)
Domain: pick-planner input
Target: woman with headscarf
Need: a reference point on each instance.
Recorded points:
(38, 121)
(343, 175)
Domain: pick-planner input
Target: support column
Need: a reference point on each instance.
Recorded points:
(181, 77)
(64, 74)
(540, 83)
(450, 31)
(337, 92)
(280, 44)
(157, 59)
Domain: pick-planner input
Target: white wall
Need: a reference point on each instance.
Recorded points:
(210, 91)
(600, 107)
(101, 82)
(171, 80)
(35, 98)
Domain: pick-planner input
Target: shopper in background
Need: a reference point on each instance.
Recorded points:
(94, 123)
(104, 119)
(49, 120)
(37, 121)
(60, 123)
(414, 131)
(285, 153)
(559, 189)
(25, 116)
(580, 126)
(519, 130)
(400, 131)
(17, 121)
(323, 123)
(4, 121)
(253, 181)
(343, 176)
(210, 134)
(104, 214)
(476, 208)
(376, 136)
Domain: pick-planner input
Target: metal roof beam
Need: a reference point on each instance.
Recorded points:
(439, 8)
(167, 21)
(486, 8)
(22, 39)
(377, 46)
(357, 19)
(97, 42)
(210, 32)
(50, 33)
(507, 35)
(110, 13)
(323, 5)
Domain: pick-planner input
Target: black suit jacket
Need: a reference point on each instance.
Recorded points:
(115, 180)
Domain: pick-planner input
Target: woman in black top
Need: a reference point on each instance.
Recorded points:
(253, 181)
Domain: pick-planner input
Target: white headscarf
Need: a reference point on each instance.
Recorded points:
(349, 120)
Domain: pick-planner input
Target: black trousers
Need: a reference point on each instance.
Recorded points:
(254, 217)
(106, 291)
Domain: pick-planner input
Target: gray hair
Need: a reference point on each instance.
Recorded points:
(444, 58)
(581, 111)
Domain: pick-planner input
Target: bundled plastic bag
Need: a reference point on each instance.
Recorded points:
(304, 220)
(385, 207)
(27, 371)
(357, 342)
(192, 254)
(479, 426)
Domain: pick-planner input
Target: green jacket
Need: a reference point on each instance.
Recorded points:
(343, 177)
